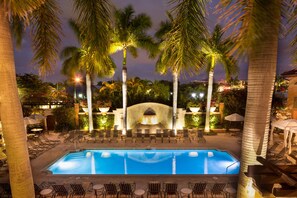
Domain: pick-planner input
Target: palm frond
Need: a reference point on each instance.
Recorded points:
(291, 7)
(133, 51)
(21, 8)
(76, 29)
(248, 20)
(183, 39)
(94, 17)
(69, 51)
(46, 28)
(17, 29)
(165, 27)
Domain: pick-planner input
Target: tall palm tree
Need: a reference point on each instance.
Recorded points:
(45, 28)
(129, 34)
(216, 49)
(257, 37)
(84, 60)
(180, 39)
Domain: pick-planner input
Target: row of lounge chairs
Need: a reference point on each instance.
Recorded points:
(142, 136)
(154, 189)
(39, 145)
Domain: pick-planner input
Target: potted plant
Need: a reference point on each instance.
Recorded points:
(194, 107)
(103, 106)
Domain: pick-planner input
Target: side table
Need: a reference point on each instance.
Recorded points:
(46, 192)
(230, 192)
(185, 192)
(138, 193)
(98, 188)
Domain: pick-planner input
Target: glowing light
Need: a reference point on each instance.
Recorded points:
(212, 109)
(105, 155)
(193, 154)
(249, 188)
(103, 109)
(77, 79)
(194, 109)
(210, 154)
(149, 119)
(80, 95)
(68, 165)
(194, 95)
(88, 154)
(201, 95)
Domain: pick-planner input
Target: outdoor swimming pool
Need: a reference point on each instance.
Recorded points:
(153, 162)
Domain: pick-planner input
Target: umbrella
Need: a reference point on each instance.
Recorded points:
(234, 117)
(37, 116)
(28, 120)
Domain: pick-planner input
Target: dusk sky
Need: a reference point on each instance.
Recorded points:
(142, 66)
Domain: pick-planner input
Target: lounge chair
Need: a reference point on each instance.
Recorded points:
(37, 190)
(170, 189)
(147, 135)
(186, 135)
(154, 188)
(166, 135)
(110, 190)
(172, 136)
(218, 189)
(159, 135)
(6, 190)
(77, 189)
(60, 190)
(139, 135)
(115, 135)
(198, 189)
(200, 137)
(101, 136)
(129, 136)
(108, 135)
(127, 189)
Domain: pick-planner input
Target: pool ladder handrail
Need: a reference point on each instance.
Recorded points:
(231, 165)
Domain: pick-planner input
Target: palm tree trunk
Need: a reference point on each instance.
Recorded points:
(89, 99)
(124, 90)
(174, 105)
(261, 77)
(12, 117)
(209, 96)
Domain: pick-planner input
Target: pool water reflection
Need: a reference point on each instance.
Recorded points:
(141, 162)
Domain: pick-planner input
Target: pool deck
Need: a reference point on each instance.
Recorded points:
(222, 141)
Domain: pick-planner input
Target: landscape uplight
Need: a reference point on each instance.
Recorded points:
(201, 95)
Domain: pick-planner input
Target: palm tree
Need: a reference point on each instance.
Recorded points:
(45, 28)
(257, 37)
(85, 60)
(129, 34)
(216, 49)
(180, 39)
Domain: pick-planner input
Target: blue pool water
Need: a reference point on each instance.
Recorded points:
(169, 162)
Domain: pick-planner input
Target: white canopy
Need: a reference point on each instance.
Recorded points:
(234, 117)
